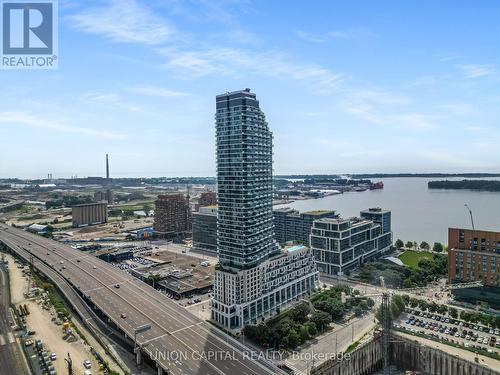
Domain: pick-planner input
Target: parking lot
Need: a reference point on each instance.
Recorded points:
(469, 335)
(133, 263)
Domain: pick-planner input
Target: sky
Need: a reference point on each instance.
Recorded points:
(346, 86)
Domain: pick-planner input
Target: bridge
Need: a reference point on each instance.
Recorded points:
(179, 343)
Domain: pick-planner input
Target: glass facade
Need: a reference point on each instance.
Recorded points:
(244, 178)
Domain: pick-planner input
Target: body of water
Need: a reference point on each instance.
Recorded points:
(418, 213)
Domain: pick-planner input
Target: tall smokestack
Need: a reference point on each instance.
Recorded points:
(107, 167)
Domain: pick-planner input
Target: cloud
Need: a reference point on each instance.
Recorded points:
(477, 70)
(158, 91)
(311, 37)
(337, 34)
(26, 119)
(356, 33)
(124, 21)
(234, 62)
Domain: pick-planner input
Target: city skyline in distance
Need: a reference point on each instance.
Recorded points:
(362, 89)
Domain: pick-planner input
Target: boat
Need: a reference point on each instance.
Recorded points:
(377, 185)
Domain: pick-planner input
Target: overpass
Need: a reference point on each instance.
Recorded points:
(179, 343)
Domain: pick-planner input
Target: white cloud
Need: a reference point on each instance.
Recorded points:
(477, 70)
(26, 119)
(124, 21)
(336, 34)
(233, 62)
(311, 37)
(158, 91)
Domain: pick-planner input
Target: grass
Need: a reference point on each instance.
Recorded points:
(411, 257)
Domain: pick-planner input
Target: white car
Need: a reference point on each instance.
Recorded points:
(87, 364)
(87, 372)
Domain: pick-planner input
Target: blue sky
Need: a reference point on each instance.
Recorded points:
(347, 86)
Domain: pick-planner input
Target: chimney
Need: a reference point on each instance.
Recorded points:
(107, 167)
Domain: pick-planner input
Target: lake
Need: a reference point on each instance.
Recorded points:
(418, 213)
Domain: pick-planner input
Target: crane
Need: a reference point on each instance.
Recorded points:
(471, 218)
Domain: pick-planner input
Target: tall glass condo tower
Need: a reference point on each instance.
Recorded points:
(244, 176)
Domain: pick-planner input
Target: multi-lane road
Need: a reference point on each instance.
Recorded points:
(180, 343)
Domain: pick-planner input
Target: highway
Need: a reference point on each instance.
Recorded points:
(179, 342)
(11, 356)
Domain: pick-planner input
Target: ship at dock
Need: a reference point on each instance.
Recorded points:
(377, 185)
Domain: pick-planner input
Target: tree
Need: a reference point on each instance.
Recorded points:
(399, 244)
(320, 319)
(453, 312)
(438, 247)
(358, 311)
(409, 245)
(424, 245)
(293, 339)
(300, 312)
(147, 209)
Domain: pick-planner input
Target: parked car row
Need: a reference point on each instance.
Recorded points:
(452, 333)
(457, 322)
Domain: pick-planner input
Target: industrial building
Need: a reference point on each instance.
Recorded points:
(291, 225)
(341, 245)
(106, 195)
(178, 274)
(254, 277)
(90, 214)
(172, 218)
(205, 229)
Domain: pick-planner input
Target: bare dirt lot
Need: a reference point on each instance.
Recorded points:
(40, 321)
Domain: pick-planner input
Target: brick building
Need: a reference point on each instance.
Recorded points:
(172, 218)
(474, 255)
(207, 198)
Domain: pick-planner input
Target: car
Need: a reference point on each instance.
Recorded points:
(94, 267)
(78, 260)
(53, 356)
(497, 332)
(87, 372)
(117, 286)
(87, 364)
(123, 316)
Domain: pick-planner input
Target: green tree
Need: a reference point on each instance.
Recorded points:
(438, 247)
(424, 245)
(453, 312)
(293, 339)
(300, 312)
(358, 311)
(321, 320)
(409, 245)
(147, 209)
(399, 244)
